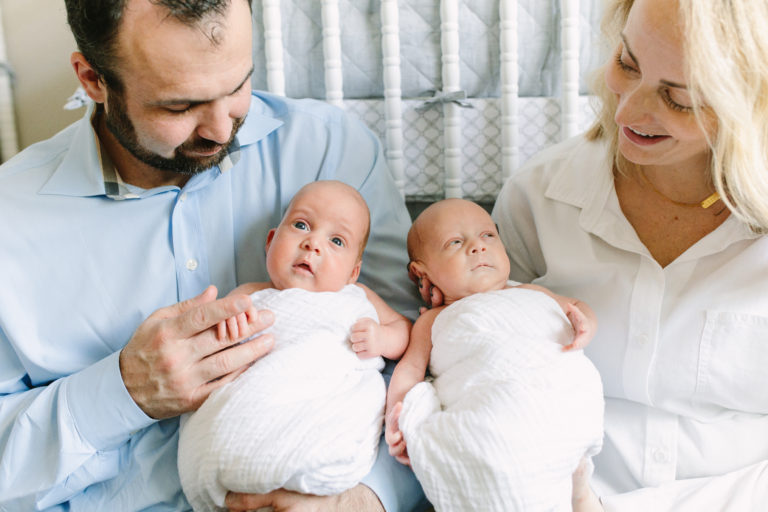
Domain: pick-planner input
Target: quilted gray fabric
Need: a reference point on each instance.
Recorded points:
(538, 44)
(481, 177)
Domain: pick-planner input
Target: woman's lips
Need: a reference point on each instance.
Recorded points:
(642, 139)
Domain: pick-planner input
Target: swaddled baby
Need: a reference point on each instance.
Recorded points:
(515, 405)
(307, 417)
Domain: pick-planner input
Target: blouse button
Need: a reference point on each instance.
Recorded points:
(660, 455)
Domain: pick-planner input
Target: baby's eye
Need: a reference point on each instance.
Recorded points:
(300, 224)
(454, 242)
(338, 241)
(488, 235)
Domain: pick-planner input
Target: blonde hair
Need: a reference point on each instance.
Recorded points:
(725, 48)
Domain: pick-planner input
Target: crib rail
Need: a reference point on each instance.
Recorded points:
(453, 115)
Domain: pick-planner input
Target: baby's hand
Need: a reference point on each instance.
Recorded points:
(366, 338)
(582, 327)
(394, 437)
(236, 325)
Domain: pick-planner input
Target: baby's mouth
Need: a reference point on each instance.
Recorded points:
(304, 267)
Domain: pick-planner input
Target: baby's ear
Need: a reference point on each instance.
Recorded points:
(270, 236)
(417, 269)
(355, 273)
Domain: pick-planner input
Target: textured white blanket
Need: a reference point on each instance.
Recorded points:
(509, 415)
(306, 417)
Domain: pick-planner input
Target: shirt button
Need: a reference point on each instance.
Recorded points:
(660, 455)
(641, 339)
(183, 197)
(191, 264)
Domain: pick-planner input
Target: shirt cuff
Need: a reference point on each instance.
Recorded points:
(394, 484)
(102, 410)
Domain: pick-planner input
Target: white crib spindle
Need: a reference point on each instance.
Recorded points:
(273, 46)
(449, 30)
(332, 53)
(570, 64)
(510, 144)
(390, 47)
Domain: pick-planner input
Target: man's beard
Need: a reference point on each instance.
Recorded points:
(121, 127)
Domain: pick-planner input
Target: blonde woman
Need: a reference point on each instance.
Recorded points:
(656, 218)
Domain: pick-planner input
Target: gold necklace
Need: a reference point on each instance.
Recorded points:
(706, 203)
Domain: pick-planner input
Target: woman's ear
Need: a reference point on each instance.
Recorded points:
(88, 77)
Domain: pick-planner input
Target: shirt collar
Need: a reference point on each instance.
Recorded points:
(581, 180)
(87, 171)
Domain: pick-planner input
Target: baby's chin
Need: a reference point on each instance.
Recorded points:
(452, 295)
(310, 285)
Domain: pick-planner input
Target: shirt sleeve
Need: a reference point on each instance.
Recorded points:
(60, 438)
(745, 489)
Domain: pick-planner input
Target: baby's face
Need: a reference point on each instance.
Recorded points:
(317, 244)
(461, 251)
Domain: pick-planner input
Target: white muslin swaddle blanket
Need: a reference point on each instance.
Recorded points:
(509, 415)
(306, 417)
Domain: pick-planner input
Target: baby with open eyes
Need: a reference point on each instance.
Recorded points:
(512, 406)
(307, 417)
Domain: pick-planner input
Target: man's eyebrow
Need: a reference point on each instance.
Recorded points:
(668, 83)
(192, 103)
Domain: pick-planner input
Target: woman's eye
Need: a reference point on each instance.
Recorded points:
(337, 241)
(623, 65)
(675, 105)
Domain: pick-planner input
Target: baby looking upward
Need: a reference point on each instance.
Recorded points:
(514, 405)
(306, 417)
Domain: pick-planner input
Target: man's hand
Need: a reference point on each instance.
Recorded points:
(358, 499)
(175, 358)
(366, 338)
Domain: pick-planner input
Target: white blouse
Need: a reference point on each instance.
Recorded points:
(682, 350)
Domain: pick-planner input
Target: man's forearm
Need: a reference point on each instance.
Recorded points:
(359, 498)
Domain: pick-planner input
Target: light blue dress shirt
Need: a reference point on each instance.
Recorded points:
(80, 270)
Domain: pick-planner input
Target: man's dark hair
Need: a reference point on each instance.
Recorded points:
(95, 25)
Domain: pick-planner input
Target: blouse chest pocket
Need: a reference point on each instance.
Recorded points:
(733, 362)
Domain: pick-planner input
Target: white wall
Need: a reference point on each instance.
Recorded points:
(38, 44)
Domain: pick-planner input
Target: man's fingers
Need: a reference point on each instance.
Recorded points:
(224, 362)
(210, 387)
(175, 310)
(239, 501)
(205, 315)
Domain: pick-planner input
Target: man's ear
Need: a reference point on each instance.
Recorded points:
(355, 272)
(88, 78)
(270, 237)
